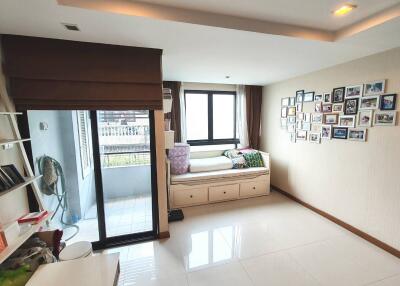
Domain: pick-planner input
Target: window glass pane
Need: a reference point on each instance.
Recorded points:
(223, 112)
(212, 147)
(196, 116)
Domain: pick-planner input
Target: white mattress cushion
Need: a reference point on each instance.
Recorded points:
(219, 175)
(210, 164)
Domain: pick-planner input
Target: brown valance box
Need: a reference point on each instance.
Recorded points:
(59, 74)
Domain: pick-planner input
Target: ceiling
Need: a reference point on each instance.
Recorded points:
(207, 53)
(308, 13)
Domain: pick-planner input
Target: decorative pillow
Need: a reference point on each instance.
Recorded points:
(253, 159)
(233, 153)
(239, 162)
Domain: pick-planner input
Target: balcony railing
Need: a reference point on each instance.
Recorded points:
(123, 130)
(125, 159)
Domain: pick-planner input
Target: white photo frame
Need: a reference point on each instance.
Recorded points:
(385, 118)
(326, 132)
(369, 102)
(357, 134)
(354, 91)
(347, 121)
(375, 87)
(365, 118)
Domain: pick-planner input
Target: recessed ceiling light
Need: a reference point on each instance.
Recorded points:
(344, 9)
(71, 27)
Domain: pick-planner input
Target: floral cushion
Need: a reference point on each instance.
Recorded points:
(253, 159)
(237, 158)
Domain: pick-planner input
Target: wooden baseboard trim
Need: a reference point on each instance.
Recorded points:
(343, 224)
(164, 235)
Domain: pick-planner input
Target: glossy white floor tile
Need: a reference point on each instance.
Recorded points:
(392, 281)
(262, 241)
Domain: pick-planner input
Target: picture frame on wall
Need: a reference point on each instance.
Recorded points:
(369, 102)
(338, 94)
(306, 126)
(292, 101)
(327, 107)
(375, 87)
(291, 127)
(388, 102)
(308, 96)
(307, 117)
(318, 97)
(339, 132)
(301, 135)
(331, 118)
(327, 97)
(337, 107)
(283, 123)
(284, 112)
(357, 134)
(299, 95)
(317, 118)
(291, 119)
(314, 138)
(291, 111)
(353, 91)
(351, 106)
(299, 125)
(299, 107)
(293, 137)
(316, 128)
(385, 118)
(326, 132)
(365, 118)
(285, 101)
(318, 106)
(347, 121)
(300, 116)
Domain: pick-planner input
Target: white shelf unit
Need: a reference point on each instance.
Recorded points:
(27, 182)
(10, 113)
(21, 239)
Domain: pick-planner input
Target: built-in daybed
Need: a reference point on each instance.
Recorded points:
(204, 187)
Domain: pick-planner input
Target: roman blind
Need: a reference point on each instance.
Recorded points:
(59, 74)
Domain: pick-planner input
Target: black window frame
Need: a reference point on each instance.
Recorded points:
(210, 140)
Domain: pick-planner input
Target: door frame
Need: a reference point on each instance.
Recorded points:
(104, 241)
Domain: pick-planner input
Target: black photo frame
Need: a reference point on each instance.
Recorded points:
(343, 132)
(338, 94)
(351, 106)
(308, 96)
(299, 95)
(386, 104)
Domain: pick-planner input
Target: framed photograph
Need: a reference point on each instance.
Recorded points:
(357, 134)
(292, 137)
(353, 91)
(299, 107)
(301, 135)
(317, 118)
(318, 107)
(374, 87)
(370, 102)
(337, 107)
(308, 96)
(331, 118)
(351, 106)
(318, 97)
(385, 118)
(299, 95)
(284, 112)
(326, 132)
(327, 97)
(327, 108)
(13, 174)
(5, 181)
(291, 111)
(283, 123)
(338, 95)
(285, 101)
(291, 119)
(299, 125)
(316, 128)
(339, 132)
(314, 138)
(365, 118)
(291, 127)
(388, 102)
(300, 116)
(347, 121)
(306, 126)
(292, 101)
(307, 117)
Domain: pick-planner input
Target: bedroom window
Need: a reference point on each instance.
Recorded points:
(210, 117)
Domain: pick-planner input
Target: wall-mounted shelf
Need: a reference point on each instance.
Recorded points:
(21, 185)
(10, 113)
(13, 246)
(12, 141)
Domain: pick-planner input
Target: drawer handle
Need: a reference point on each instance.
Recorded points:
(254, 188)
(225, 192)
(191, 196)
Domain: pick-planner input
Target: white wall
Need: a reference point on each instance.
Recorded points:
(353, 181)
(208, 86)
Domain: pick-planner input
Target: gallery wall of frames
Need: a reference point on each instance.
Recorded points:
(346, 113)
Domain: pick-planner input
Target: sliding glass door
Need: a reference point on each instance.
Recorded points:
(99, 177)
